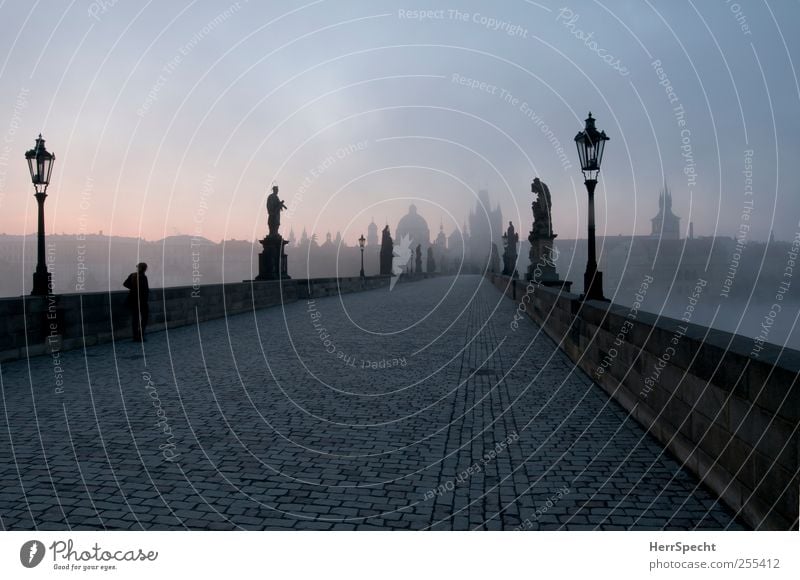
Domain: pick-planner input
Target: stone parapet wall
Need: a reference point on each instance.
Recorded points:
(730, 418)
(34, 325)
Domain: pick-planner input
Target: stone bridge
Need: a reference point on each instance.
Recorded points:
(423, 407)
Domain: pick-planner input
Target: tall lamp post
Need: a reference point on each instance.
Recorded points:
(590, 143)
(361, 242)
(40, 163)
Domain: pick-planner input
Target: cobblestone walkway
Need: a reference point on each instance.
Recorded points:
(416, 408)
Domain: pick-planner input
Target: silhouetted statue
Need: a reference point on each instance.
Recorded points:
(431, 264)
(418, 260)
(542, 219)
(272, 261)
(274, 208)
(543, 254)
(138, 297)
(510, 251)
(387, 247)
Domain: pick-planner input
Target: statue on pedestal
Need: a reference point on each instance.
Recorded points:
(543, 255)
(511, 239)
(418, 259)
(387, 249)
(274, 208)
(272, 261)
(430, 266)
(542, 219)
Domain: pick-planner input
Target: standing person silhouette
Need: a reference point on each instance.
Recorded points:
(138, 296)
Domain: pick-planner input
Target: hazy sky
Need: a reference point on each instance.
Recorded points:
(176, 117)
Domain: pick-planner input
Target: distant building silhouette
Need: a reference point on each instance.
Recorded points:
(440, 250)
(372, 234)
(486, 228)
(666, 225)
(456, 248)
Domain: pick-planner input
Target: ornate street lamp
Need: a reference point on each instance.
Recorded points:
(40, 163)
(590, 143)
(361, 242)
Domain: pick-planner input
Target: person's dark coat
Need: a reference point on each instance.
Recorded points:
(139, 290)
(138, 296)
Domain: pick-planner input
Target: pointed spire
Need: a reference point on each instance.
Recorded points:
(667, 196)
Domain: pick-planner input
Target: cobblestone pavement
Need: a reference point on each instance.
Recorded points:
(416, 408)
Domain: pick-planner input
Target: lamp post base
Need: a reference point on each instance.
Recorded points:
(42, 283)
(593, 286)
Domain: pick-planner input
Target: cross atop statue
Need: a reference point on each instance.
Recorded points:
(274, 208)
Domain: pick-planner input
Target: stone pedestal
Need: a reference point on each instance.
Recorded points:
(272, 262)
(542, 267)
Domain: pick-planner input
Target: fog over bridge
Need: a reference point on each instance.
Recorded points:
(422, 407)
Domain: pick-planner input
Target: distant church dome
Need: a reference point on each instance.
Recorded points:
(415, 226)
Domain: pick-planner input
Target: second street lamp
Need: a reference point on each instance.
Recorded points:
(361, 242)
(40, 164)
(590, 143)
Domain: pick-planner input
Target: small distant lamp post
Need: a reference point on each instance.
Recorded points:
(590, 143)
(361, 242)
(40, 163)
(505, 254)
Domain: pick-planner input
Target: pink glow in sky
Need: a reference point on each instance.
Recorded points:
(177, 117)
